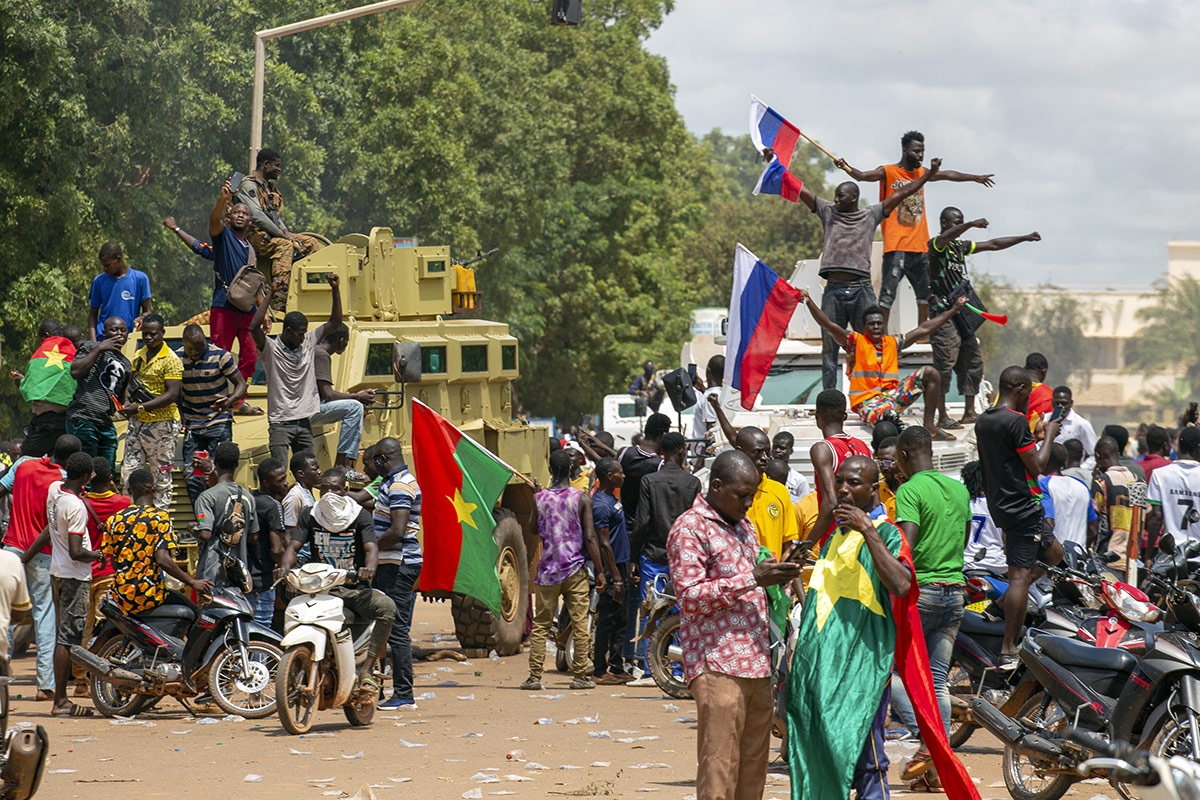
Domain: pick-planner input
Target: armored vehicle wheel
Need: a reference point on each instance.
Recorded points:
(477, 629)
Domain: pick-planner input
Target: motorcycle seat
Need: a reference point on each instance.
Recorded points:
(1071, 653)
(976, 624)
(167, 611)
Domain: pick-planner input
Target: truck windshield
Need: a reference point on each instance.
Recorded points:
(791, 384)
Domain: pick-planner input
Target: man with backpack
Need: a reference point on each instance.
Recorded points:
(233, 258)
(226, 519)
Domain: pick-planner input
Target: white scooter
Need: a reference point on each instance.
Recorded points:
(323, 646)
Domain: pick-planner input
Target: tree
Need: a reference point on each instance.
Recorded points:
(1044, 320)
(1170, 338)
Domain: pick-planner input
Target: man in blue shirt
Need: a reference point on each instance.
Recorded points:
(117, 291)
(611, 620)
(230, 252)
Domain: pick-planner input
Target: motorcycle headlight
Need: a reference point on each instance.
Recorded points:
(313, 578)
(1130, 602)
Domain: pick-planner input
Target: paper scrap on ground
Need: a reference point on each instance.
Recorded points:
(550, 696)
(426, 696)
(296, 752)
(601, 763)
(472, 736)
(60, 771)
(544, 721)
(599, 735)
(484, 777)
(86, 739)
(535, 765)
(410, 744)
(207, 721)
(466, 697)
(674, 709)
(252, 778)
(359, 754)
(472, 794)
(655, 765)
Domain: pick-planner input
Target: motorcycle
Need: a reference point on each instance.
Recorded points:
(324, 645)
(664, 655)
(1154, 702)
(1159, 778)
(178, 649)
(26, 745)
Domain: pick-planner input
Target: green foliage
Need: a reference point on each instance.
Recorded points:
(473, 125)
(1050, 323)
(1170, 337)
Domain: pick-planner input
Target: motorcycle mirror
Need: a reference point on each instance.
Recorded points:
(1167, 544)
(1109, 557)
(981, 554)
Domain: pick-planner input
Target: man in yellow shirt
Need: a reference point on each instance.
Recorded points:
(889, 475)
(771, 514)
(154, 420)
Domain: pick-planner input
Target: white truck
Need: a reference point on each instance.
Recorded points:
(786, 402)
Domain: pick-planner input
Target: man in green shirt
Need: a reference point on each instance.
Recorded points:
(934, 512)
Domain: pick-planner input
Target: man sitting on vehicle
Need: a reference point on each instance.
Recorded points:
(139, 544)
(873, 365)
(340, 532)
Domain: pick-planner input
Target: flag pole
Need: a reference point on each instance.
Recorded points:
(816, 144)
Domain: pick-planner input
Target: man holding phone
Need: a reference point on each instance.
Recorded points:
(1073, 426)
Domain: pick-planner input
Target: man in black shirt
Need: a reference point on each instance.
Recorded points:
(102, 372)
(267, 550)
(1011, 462)
(662, 498)
(955, 346)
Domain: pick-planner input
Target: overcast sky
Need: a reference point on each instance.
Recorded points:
(1088, 112)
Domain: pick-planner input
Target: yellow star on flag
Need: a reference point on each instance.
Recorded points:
(55, 358)
(841, 575)
(463, 509)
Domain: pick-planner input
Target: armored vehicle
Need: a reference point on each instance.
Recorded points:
(415, 332)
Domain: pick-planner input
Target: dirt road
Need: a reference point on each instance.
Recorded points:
(608, 742)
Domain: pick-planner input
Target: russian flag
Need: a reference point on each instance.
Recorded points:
(768, 128)
(759, 310)
(777, 180)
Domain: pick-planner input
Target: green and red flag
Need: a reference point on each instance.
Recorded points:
(851, 634)
(48, 376)
(460, 483)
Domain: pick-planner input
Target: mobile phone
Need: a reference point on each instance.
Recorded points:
(692, 374)
(799, 552)
(1059, 411)
(235, 181)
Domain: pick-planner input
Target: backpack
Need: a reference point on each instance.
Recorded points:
(231, 521)
(242, 291)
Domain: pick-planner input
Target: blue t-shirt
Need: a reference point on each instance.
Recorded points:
(229, 254)
(119, 297)
(399, 490)
(608, 513)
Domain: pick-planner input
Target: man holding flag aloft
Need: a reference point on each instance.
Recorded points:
(859, 619)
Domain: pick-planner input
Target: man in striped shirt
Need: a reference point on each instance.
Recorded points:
(206, 398)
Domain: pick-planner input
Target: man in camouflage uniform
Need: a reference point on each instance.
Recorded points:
(271, 239)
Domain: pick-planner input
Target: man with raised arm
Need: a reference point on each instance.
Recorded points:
(905, 233)
(955, 346)
(873, 366)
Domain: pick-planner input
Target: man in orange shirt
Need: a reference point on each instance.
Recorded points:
(1041, 396)
(905, 233)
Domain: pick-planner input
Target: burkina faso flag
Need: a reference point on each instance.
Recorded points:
(851, 633)
(48, 376)
(460, 482)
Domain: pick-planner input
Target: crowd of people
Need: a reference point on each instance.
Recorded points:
(80, 526)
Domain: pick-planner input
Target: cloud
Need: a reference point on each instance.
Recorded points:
(1088, 113)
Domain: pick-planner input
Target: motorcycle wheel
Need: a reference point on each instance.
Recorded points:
(361, 709)
(245, 689)
(961, 690)
(296, 705)
(1172, 739)
(1025, 776)
(119, 701)
(664, 664)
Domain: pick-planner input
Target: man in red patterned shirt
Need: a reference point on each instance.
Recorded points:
(712, 549)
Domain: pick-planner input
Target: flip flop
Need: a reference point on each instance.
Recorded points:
(247, 410)
(76, 711)
(950, 425)
(917, 766)
(942, 436)
(369, 685)
(927, 784)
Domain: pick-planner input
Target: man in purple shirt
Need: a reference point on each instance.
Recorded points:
(565, 527)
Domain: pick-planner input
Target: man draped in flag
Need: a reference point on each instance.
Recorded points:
(859, 619)
(759, 310)
(48, 388)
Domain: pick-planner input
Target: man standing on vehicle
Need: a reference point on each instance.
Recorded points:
(338, 406)
(226, 521)
(565, 525)
(846, 256)
(117, 291)
(906, 232)
(397, 523)
(725, 630)
(268, 507)
(271, 238)
(934, 512)
(230, 252)
(138, 545)
(611, 620)
(101, 372)
(340, 532)
(211, 387)
(1011, 461)
(292, 397)
(154, 423)
(662, 497)
(1174, 493)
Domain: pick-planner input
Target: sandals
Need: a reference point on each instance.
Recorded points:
(369, 685)
(950, 424)
(942, 436)
(917, 766)
(927, 784)
(76, 711)
(247, 410)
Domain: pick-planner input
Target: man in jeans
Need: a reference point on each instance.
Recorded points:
(397, 522)
(846, 256)
(339, 406)
(154, 424)
(102, 372)
(292, 398)
(30, 487)
(565, 527)
(934, 512)
(212, 386)
(611, 619)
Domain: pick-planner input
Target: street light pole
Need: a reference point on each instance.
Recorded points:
(260, 57)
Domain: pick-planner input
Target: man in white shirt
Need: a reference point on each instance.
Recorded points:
(1075, 427)
(1068, 502)
(307, 472)
(1174, 492)
(704, 416)
(782, 446)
